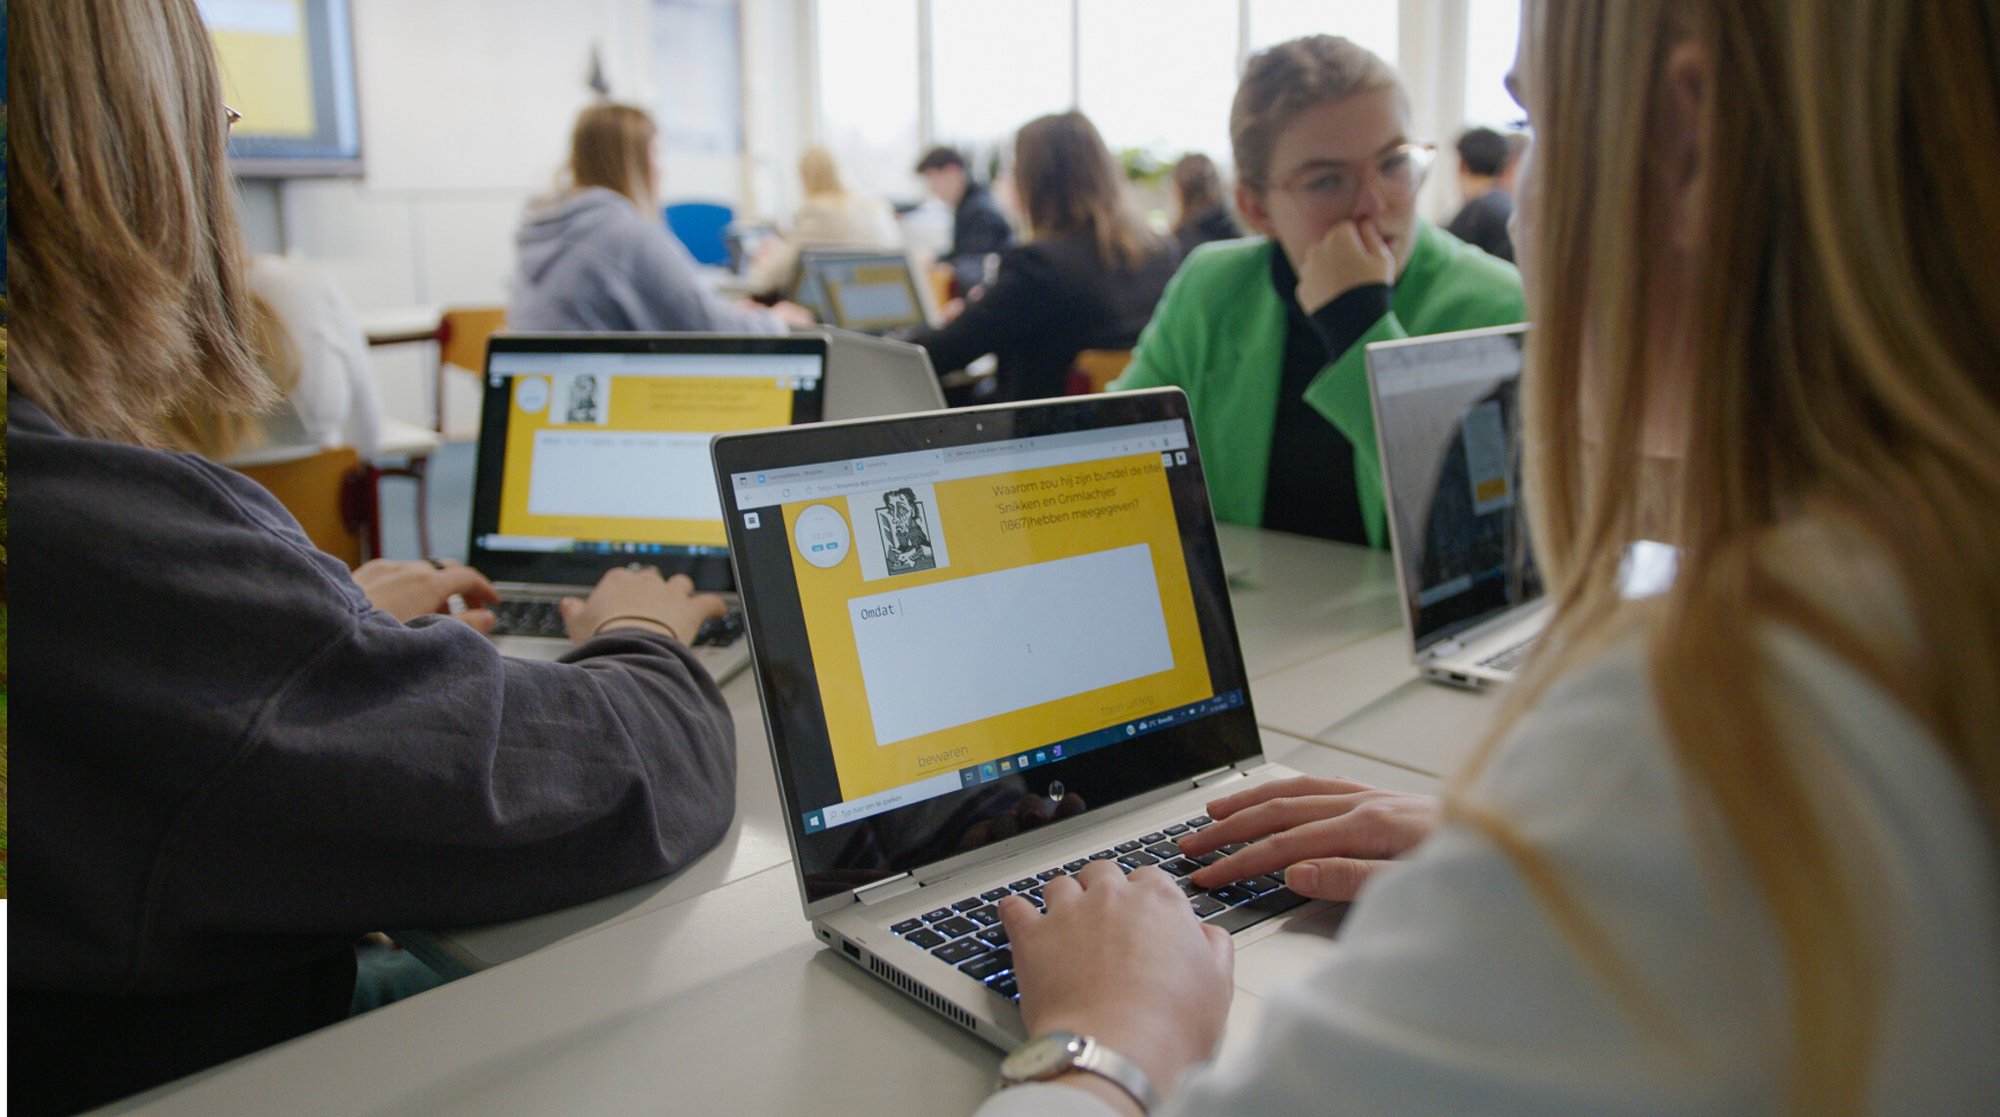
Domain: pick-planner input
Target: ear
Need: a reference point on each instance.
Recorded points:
(1685, 177)
(1250, 206)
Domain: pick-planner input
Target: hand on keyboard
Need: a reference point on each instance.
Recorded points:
(629, 598)
(408, 589)
(1326, 835)
(1124, 959)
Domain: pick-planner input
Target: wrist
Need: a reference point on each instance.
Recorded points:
(1119, 1101)
(634, 620)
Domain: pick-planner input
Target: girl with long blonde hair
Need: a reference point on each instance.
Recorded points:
(230, 756)
(1730, 849)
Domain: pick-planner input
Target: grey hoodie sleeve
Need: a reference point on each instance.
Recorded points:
(670, 295)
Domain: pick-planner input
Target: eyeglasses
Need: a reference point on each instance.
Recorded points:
(1333, 187)
(230, 117)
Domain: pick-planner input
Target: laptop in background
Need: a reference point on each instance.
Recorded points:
(993, 645)
(1447, 422)
(869, 376)
(868, 291)
(593, 453)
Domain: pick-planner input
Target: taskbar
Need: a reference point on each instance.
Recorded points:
(839, 814)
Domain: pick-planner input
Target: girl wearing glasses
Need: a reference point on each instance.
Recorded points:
(1266, 335)
(1732, 849)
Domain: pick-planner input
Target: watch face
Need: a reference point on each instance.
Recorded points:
(1047, 1054)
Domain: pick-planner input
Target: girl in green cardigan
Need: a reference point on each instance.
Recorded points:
(1266, 335)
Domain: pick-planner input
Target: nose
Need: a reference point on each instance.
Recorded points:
(1372, 198)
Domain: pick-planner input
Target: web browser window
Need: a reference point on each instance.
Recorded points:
(612, 448)
(965, 603)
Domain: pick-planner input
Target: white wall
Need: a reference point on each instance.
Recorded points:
(465, 114)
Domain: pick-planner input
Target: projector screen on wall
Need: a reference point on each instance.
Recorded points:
(288, 67)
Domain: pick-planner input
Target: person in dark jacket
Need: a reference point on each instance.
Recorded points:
(1486, 164)
(1087, 278)
(230, 758)
(1201, 214)
(978, 228)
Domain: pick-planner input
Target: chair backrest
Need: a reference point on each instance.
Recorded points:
(462, 334)
(1095, 368)
(700, 225)
(330, 494)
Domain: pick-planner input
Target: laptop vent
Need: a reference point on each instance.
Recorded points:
(910, 986)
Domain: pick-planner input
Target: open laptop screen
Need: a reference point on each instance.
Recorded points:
(868, 292)
(594, 448)
(1447, 416)
(971, 623)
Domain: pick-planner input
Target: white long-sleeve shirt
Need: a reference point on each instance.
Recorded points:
(1454, 992)
(336, 402)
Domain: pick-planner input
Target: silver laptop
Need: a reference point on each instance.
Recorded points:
(871, 291)
(1447, 421)
(869, 376)
(593, 453)
(993, 644)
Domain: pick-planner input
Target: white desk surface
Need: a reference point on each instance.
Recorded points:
(720, 1003)
(706, 993)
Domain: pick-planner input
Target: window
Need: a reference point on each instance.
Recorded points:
(1166, 91)
(1371, 23)
(868, 90)
(1493, 27)
(994, 67)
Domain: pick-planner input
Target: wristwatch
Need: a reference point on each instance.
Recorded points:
(1052, 1054)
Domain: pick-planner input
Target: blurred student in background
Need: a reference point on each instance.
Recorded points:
(1200, 214)
(1086, 278)
(1267, 336)
(978, 228)
(598, 256)
(832, 216)
(1487, 162)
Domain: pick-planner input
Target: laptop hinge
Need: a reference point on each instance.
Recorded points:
(1208, 778)
(1444, 648)
(886, 889)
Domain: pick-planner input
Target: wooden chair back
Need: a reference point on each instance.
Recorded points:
(462, 334)
(331, 494)
(1095, 368)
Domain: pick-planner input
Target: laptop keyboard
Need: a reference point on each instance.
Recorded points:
(968, 934)
(1507, 659)
(542, 618)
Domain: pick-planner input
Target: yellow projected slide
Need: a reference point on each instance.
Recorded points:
(957, 623)
(261, 46)
(625, 458)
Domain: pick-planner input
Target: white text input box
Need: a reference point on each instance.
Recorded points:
(634, 474)
(954, 652)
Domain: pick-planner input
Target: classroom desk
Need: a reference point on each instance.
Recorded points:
(1294, 598)
(1366, 698)
(720, 1003)
(706, 993)
(401, 325)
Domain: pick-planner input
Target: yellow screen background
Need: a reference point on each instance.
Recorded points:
(969, 516)
(667, 404)
(268, 79)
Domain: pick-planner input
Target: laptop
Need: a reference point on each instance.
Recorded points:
(593, 453)
(869, 376)
(870, 291)
(993, 644)
(1447, 422)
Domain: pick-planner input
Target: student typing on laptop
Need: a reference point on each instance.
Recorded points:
(229, 758)
(1732, 848)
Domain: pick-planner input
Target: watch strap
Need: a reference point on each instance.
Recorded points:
(1082, 1053)
(1118, 1070)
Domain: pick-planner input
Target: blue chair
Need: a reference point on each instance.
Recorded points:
(700, 226)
